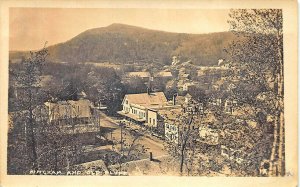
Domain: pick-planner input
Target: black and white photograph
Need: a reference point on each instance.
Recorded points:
(147, 92)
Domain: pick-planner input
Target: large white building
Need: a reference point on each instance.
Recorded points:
(136, 106)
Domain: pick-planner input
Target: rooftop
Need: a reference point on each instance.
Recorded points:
(142, 74)
(70, 109)
(164, 74)
(132, 116)
(147, 100)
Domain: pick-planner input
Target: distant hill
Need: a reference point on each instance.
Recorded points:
(121, 43)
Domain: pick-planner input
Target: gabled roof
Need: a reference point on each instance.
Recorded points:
(69, 109)
(188, 96)
(147, 100)
(142, 74)
(164, 74)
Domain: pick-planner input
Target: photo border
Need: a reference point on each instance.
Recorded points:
(290, 18)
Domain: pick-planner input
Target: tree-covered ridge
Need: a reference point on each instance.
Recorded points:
(120, 43)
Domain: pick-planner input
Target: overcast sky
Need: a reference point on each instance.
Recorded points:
(31, 27)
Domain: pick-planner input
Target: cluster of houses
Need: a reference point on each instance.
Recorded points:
(163, 76)
(162, 117)
(154, 111)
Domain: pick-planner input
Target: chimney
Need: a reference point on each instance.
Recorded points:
(174, 99)
(150, 156)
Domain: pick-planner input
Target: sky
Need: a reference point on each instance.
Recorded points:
(30, 28)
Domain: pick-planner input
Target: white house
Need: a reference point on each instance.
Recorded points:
(172, 133)
(175, 60)
(171, 124)
(135, 106)
(187, 85)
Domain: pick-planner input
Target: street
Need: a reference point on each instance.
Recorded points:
(152, 144)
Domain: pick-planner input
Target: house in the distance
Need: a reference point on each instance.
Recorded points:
(158, 118)
(187, 85)
(175, 60)
(164, 75)
(171, 124)
(139, 74)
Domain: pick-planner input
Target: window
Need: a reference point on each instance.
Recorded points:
(149, 120)
(126, 101)
(153, 121)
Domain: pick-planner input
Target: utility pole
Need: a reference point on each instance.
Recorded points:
(98, 115)
(121, 124)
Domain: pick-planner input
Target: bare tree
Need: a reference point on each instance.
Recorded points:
(128, 148)
(186, 148)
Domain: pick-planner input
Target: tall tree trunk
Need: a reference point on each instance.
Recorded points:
(31, 133)
(181, 160)
(56, 157)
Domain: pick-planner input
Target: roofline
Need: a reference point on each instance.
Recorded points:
(143, 93)
(124, 99)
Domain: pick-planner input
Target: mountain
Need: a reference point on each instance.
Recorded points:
(128, 44)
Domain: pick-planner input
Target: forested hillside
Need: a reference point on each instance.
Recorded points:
(119, 43)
